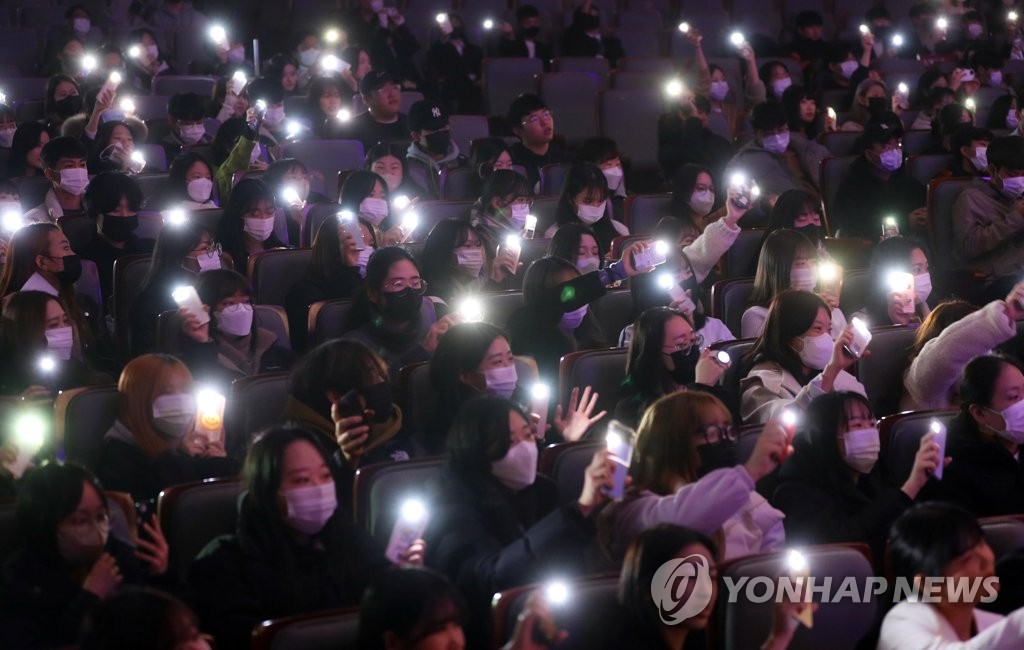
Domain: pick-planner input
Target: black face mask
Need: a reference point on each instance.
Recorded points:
(685, 366)
(378, 399)
(588, 22)
(878, 105)
(69, 106)
(458, 34)
(402, 305)
(72, 270)
(439, 142)
(120, 229)
(716, 456)
(531, 32)
(814, 233)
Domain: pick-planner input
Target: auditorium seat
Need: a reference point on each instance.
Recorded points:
(466, 128)
(924, 167)
(841, 143)
(901, 435)
(881, 372)
(942, 194)
(729, 299)
(552, 177)
(746, 440)
(572, 97)
(630, 117)
(566, 463)
(380, 489)
(326, 157)
(1004, 534)
(854, 295)
(432, 213)
(602, 370)
(253, 404)
(644, 211)
(461, 184)
(326, 320)
(168, 85)
(506, 78)
(324, 630)
(83, 416)
(916, 143)
(154, 187)
(316, 217)
(741, 258)
(274, 272)
(194, 514)
(591, 610)
(833, 171)
(154, 155)
(129, 272)
(739, 367)
(613, 311)
(598, 68)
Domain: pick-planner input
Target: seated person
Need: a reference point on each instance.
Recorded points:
(153, 444)
(25, 156)
(113, 200)
(186, 116)
(503, 205)
(294, 551)
(787, 261)
(685, 139)
(533, 123)
(604, 153)
(886, 306)
(190, 183)
(685, 472)
(247, 225)
(141, 618)
(67, 562)
(388, 160)
(795, 359)
(583, 38)
(877, 187)
(585, 200)
(432, 150)
(382, 121)
(64, 165)
(970, 152)
(987, 216)
(870, 102)
(522, 40)
(113, 144)
(232, 344)
(289, 178)
(831, 487)
(457, 262)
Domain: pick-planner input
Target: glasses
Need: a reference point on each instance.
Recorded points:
(533, 120)
(713, 433)
(82, 519)
(401, 284)
(388, 88)
(211, 250)
(685, 348)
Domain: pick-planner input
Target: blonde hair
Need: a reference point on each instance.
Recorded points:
(140, 384)
(666, 448)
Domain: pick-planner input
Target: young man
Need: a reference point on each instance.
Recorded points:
(532, 122)
(525, 42)
(432, 149)
(186, 116)
(382, 121)
(64, 164)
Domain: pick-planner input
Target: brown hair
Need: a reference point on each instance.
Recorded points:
(139, 385)
(666, 450)
(944, 315)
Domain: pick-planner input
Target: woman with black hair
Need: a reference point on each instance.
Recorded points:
(985, 475)
(294, 551)
(113, 200)
(181, 253)
(390, 314)
(488, 155)
(694, 198)
(786, 261)
(604, 153)
(388, 161)
(665, 355)
(61, 101)
(68, 562)
(800, 211)
(24, 158)
(944, 544)
(496, 524)
(412, 607)
(288, 178)
(577, 244)
(886, 306)
(190, 183)
(247, 225)
(140, 617)
(804, 118)
(323, 104)
(149, 62)
(831, 487)
(457, 261)
(795, 358)
(232, 344)
(584, 199)
(113, 145)
(366, 195)
(503, 206)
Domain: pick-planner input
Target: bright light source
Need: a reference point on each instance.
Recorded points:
(30, 430)
(935, 426)
(208, 398)
(218, 34)
(674, 88)
(902, 88)
(413, 511)
(827, 272)
(128, 105)
(661, 247)
(137, 157)
(11, 220)
(942, 23)
(897, 40)
(557, 593)
(488, 24)
(831, 113)
(409, 221)
(1012, 16)
(666, 281)
(737, 39)
(261, 105)
(890, 222)
(135, 51)
(441, 18)
(723, 357)
(346, 215)
(291, 195)
(860, 325)
(332, 36)
(796, 561)
(401, 202)
(684, 27)
(344, 115)
(900, 281)
(114, 78)
(540, 391)
(613, 440)
(240, 77)
(88, 63)
(513, 241)
(755, 190)
(180, 294)
(47, 363)
(175, 217)
(738, 179)
(330, 63)
(471, 309)
(969, 104)
(293, 128)
(788, 418)
(531, 222)
(864, 29)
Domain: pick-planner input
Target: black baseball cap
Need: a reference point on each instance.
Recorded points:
(427, 115)
(373, 81)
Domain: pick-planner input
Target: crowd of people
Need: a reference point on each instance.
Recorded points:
(118, 280)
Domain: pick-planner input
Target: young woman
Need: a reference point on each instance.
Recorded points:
(190, 183)
(457, 261)
(247, 225)
(694, 198)
(232, 344)
(944, 543)
(335, 271)
(291, 174)
(391, 315)
(294, 551)
(24, 157)
(149, 63)
(488, 155)
(229, 100)
(681, 442)
(954, 333)
(503, 206)
(664, 357)
(62, 100)
(795, 358)
(831, 487)
(787, 261)
(800, 211)
(366, 195)
(584, 199)
(323, 102)
(869, 99)
(604, 153)
(388, 161)
(67, 563)
(139, 617)
(888, 307)
(112, 148)
(805, 121)
(494, 523)
(985, 439)
(152, 445)
(412, 607)
(578, 244)
(35, 326)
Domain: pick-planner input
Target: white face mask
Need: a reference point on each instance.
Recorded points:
(173, 414)
(236, 54)
(588, 264)
(776, 143)
(1013, 186)
(60, 341)
(7, 138)
(501, 381)
(702, 201)
(719, 90)
(74, 180)
(1013, 419)
(890, 160)
(572, 319)
(779, 86)
(816, 351)
(393, 181)
(153, 51)
(470, 260)
(1012, 121)
(518, 469)
(980, 158)
(82, 25)
(590, 214)
(308, 57)
(199, 189)
(258, 228)
(191, 133)
(362, 260)
(208, 262)
(861, 448)
(847, 68)
(995, 77)
(235, 320)
(613, 176)
(802, 279)
(308, 509)
(518, 214)
(274, 116)
(374, 210)
(923, 286)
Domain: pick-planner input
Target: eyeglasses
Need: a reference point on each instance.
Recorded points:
(685, 348)
(533, 120)
(401, 284)
(212, 250)
(388, 88)
(713, 433)
(82, 519)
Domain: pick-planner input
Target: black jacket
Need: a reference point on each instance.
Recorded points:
(864, 199)
(517, 49)
(100, 251)
(983, 477)
(123, 467)
(206, 363)
(242, 579)
(149, 304)
(533, 162)
(688, 141)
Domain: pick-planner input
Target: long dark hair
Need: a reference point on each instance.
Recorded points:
(359, 185)
(316, 88)
(503, 184)
(791, 99)
(790, 315)
(248, 193)
(791, 204)
(892, 254)
(177, 186)
(337, 365)
(977, 387)
(925, 539)
(218, 284)
(138, 617)
(411, 603)
(683, 182)
(376, 272)
(437, 261)
(48, 494)
(585, 177)
(26, 138)
(326, 259)
(25, 325)
(173, 245)
(780, 249)
(817, 442)
(538, 283)
(646, 374)
(566, 242)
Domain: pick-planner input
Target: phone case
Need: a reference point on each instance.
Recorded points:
(620, 442)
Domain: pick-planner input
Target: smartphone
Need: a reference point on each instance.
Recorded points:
(620, 443)
(351, 226)
(412, 522)
(939, 429)
(890, 228)
(349, 405)
(187, 297)
(515, 246)
(861, 338)
(531, 226)
(652, 257)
